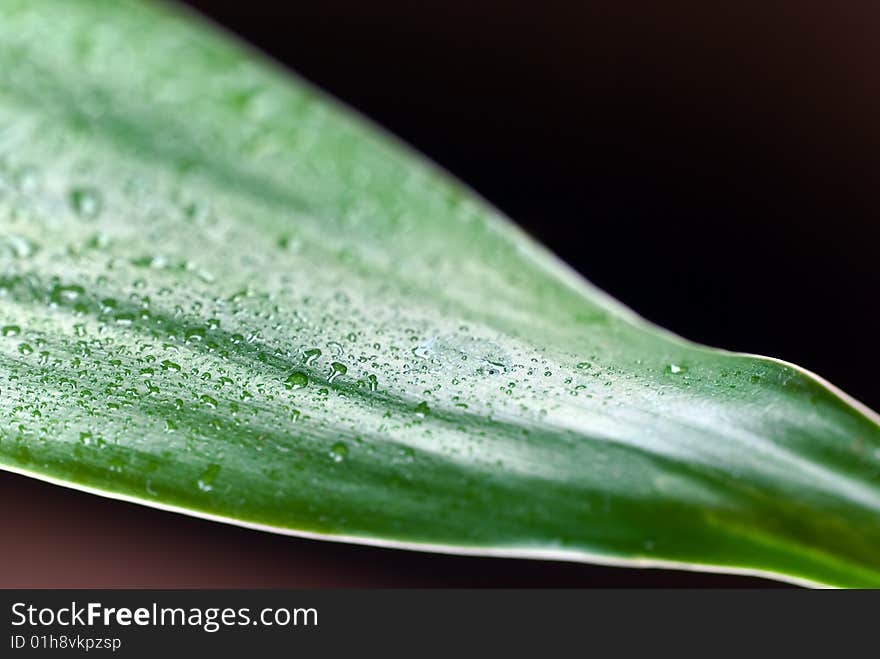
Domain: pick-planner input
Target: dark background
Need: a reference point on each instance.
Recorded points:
(712, 165)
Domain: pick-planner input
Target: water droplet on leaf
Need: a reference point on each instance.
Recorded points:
(297, 380)
(337, 369)
(206, 480)
(86, 202)
(338, 452)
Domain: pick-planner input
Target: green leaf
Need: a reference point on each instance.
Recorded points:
(224, 295)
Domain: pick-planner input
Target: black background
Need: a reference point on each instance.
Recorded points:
(712, 165)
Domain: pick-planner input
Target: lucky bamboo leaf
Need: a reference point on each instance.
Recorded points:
(222, 294)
